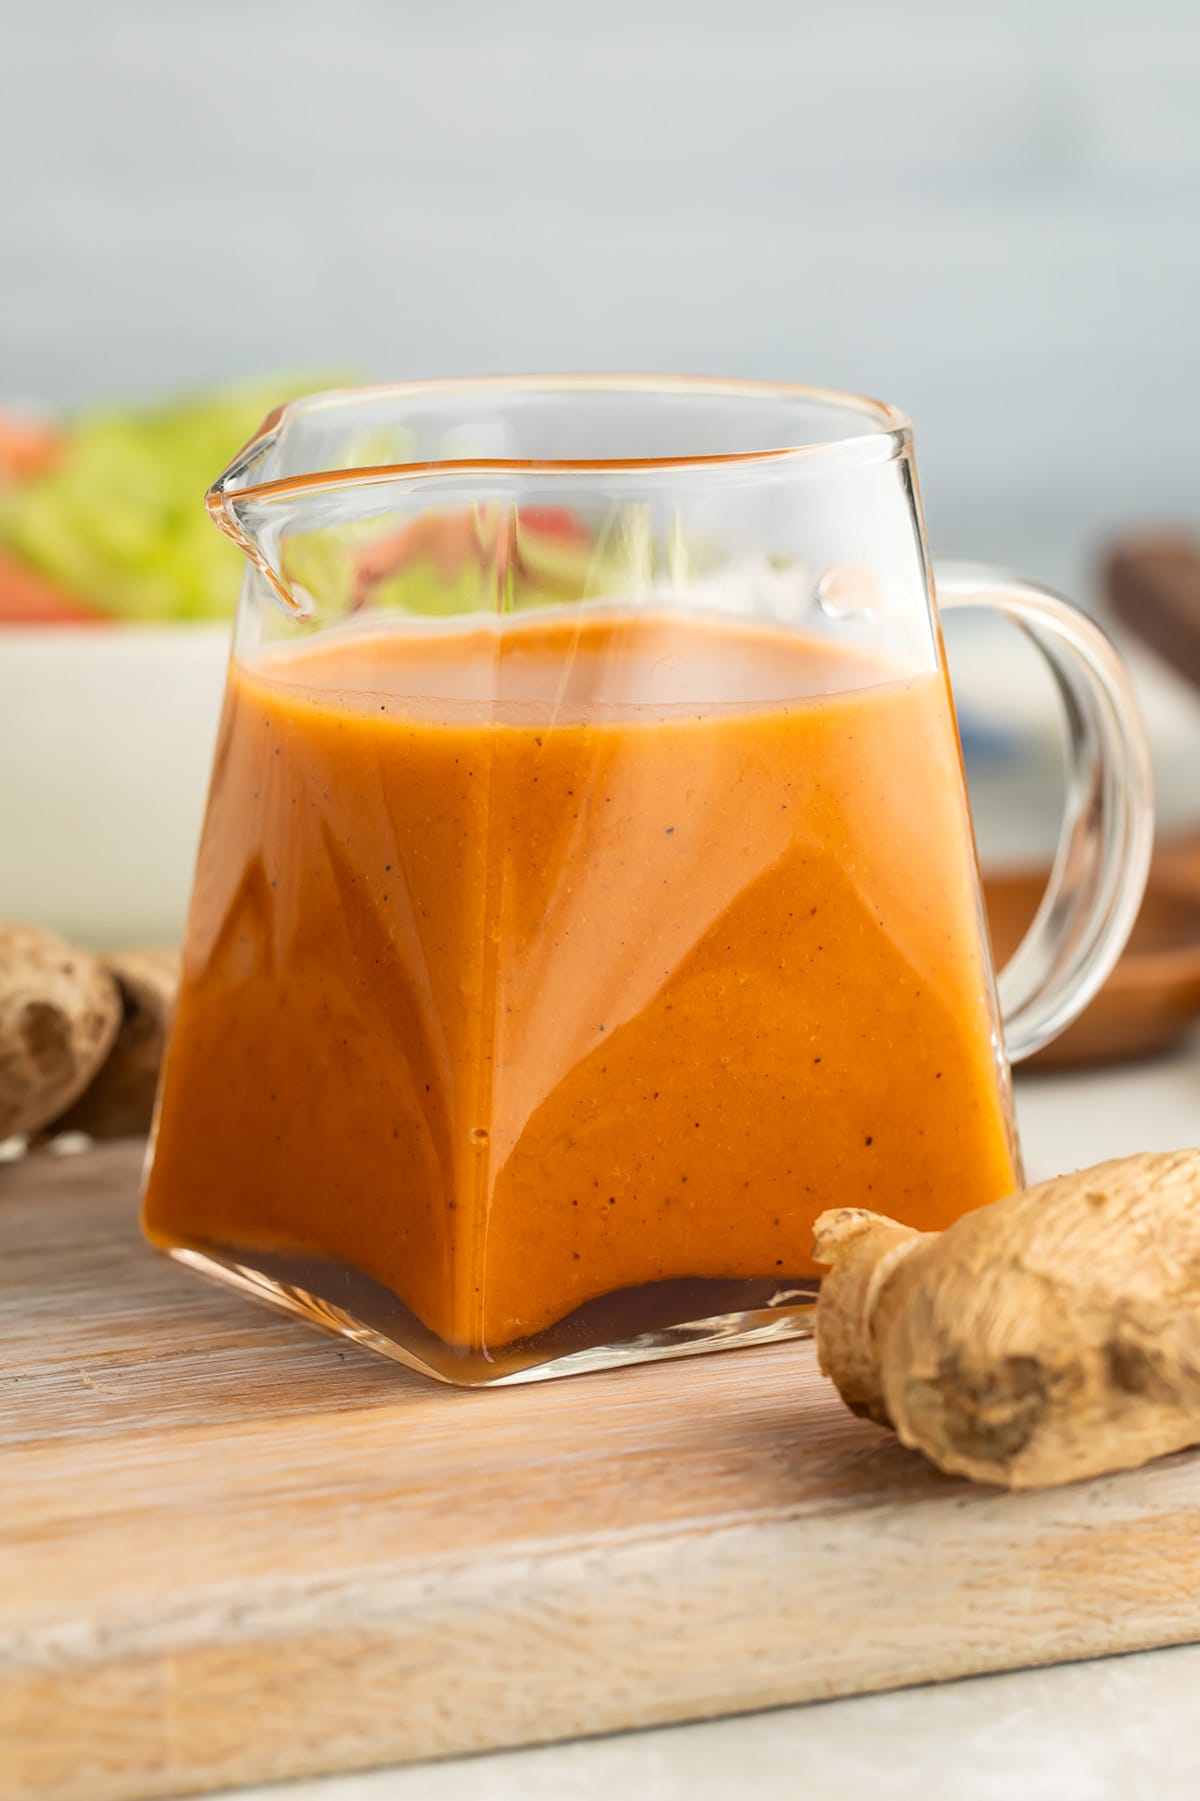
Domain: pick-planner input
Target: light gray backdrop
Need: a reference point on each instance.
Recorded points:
(989, 214)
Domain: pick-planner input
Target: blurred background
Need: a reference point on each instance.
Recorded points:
(986, 215)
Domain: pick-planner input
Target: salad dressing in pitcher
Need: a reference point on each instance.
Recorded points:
(541, 971)
(587, 896)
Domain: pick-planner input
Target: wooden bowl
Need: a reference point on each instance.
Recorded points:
(1152, 997)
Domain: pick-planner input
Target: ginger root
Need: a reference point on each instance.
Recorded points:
(1051, 1336)
(119, 1103)
(59, 1014)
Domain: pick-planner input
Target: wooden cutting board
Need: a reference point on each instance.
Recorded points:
(234, 1550)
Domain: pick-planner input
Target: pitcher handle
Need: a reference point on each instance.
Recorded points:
(1103, 857)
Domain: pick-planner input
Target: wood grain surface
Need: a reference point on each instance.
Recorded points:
(233, 1550)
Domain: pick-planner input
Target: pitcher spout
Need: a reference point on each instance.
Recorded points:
(231, 503)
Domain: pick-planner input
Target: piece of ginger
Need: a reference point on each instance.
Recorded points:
(1051, 1336)
(119, 1103)
(60, 1011)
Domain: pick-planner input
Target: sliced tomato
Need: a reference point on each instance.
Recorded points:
(28, 447)
(27, 598)
(554, 522)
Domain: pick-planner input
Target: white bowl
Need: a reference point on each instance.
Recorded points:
(106, 741)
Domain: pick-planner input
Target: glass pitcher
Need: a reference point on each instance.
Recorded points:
(587, 896)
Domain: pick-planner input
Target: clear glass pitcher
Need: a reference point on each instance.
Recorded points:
(587, 896)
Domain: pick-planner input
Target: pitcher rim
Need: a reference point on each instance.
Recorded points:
(888, 433)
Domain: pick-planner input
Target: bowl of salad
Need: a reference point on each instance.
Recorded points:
(116, 604)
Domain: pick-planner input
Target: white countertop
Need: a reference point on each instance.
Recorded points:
(1125, 1726)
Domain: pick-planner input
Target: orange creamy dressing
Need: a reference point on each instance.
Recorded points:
(529, 966)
